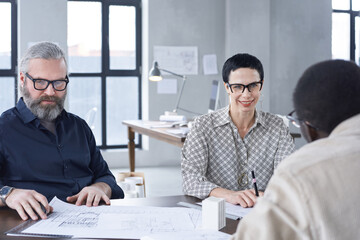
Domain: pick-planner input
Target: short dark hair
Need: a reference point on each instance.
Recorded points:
(328, 93)
(242, 60)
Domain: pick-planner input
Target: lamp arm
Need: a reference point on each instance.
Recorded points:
(180, 94)
(181, 89)
(175, 74)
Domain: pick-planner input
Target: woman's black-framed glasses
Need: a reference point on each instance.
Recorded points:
(297, 122)
(253, 87)
(42, 84)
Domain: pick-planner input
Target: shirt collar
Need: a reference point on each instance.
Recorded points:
(259, 118)
(222, 117)
(27, 116)
(25, 113)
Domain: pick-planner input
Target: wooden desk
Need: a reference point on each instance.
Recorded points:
(10, 219)
(144, 127)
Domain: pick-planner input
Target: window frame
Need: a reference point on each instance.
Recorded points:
(105, 63)
(12, 72)
(352, 14)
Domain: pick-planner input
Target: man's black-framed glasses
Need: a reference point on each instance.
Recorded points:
(297, 122)
(42, 84)
(253, 87)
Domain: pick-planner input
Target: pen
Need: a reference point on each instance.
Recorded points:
(254, 182)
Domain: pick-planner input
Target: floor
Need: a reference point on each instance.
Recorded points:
(160, 181)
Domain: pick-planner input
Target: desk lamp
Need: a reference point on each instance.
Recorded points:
(155, 75)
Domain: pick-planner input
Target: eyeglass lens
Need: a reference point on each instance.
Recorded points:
(43, 84)
(293, 119)
(240, 88)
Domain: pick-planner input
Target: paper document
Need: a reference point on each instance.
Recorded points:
(237, 210)
(210, 64)
(131, 222)
(189, 235)
(181, 131)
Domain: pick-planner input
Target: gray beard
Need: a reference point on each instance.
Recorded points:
(48, 112)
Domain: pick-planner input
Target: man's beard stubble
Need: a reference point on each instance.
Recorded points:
(47, 112)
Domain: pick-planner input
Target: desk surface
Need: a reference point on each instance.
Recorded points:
(156, 130)
(147, 128)
(10, 219)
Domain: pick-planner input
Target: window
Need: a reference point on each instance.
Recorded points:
(104, 48)
(8, 54)
(346, 30)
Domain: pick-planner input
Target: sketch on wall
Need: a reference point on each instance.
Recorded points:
(180, 60)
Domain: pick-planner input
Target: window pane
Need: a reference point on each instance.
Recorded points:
(7, 93)
(122, 37)
(340, 36)
(356, 5)
(341, 4)
(5, 39)
(357, 40)
(122, 98)
(84, 36)
(84, 95)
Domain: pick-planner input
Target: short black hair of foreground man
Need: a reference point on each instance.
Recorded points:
(44, 150)
(315, 192)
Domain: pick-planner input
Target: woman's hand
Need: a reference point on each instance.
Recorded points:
(245, 198)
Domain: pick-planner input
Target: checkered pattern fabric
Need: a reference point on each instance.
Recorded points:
(214, 155)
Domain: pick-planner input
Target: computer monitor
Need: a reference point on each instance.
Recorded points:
(214, 95)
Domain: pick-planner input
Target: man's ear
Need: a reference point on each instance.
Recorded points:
(22, 79)
(311, 134)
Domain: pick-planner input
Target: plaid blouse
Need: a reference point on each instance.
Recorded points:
(214, 155)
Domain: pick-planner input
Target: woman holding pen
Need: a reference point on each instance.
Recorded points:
(224, 146)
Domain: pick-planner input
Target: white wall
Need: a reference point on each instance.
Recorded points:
(184, 23)
(248, 31)
(41, 20)
(286, 35)
(300, 36)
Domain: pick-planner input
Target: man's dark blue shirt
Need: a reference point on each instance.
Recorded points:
(32, 157)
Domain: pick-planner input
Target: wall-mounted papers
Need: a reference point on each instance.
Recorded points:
(210, 64)
(180, 60)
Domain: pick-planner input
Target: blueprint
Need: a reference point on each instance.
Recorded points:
(132, 222)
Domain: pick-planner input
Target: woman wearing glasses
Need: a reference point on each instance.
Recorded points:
(224, 146)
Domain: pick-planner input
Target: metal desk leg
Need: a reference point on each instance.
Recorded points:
(131, 148)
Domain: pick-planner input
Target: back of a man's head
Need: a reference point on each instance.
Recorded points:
(328, 93)
(41, 50)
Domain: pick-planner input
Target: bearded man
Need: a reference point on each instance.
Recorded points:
(44, 150)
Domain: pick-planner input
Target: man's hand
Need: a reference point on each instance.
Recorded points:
(28, 204)
(92, 195)
(245, 198)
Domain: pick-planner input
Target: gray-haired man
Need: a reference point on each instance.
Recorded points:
(44, 150)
